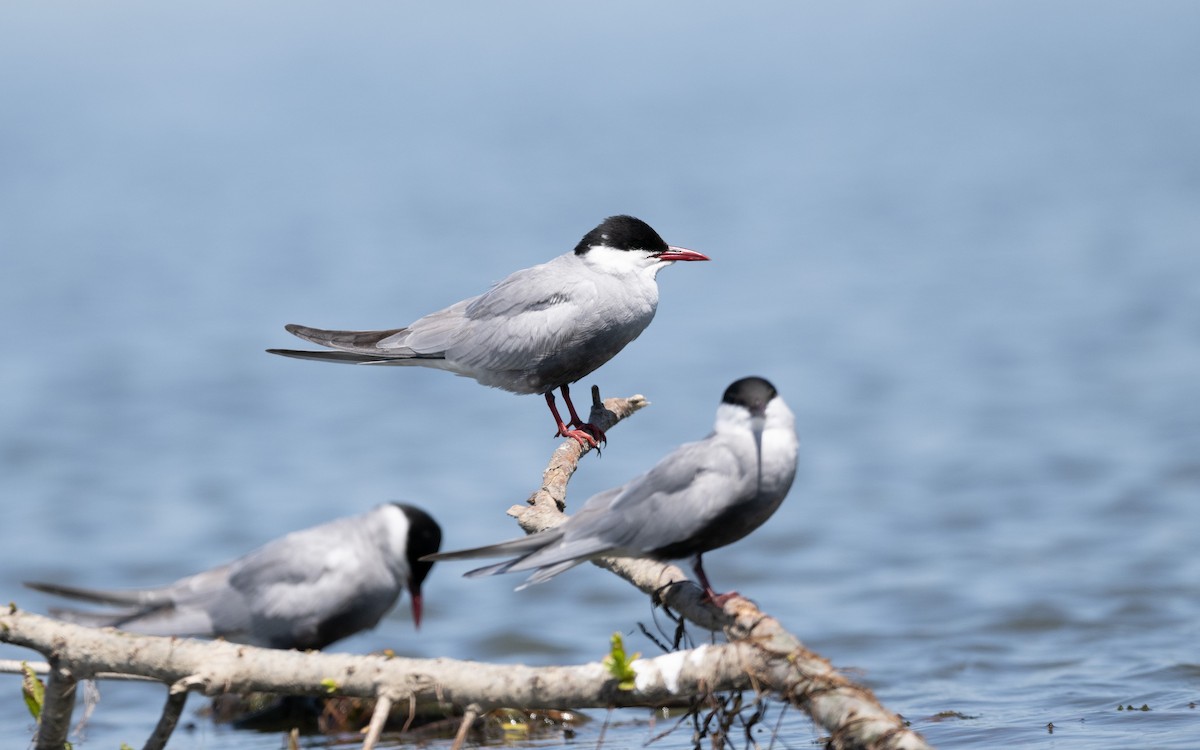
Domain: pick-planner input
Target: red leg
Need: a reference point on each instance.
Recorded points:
(582, 436)
(591, 429)
(717, 599)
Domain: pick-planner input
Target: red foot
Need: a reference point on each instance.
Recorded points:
(592, 430)
(588, 435)
(719, 600)
(583, 436)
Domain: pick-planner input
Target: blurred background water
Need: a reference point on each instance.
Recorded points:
(962, 240)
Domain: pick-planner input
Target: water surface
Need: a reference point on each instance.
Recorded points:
(962, 241)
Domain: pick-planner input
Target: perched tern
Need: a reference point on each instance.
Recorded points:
(302, 591)
(702, 496)
(538, 330)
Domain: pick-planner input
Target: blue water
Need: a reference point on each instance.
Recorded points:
(962, 239)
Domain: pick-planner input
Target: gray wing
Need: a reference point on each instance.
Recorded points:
(154, 611)
(506, 329)
(127, 597)
(284, 594)
(191, 613)
(354, 347)
(533, 331)
(527, 293)
(310, 587)
(666, 506)
(526, 316)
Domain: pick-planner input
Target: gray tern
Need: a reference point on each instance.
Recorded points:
(701, 496)
(539, 329)
(302, 591)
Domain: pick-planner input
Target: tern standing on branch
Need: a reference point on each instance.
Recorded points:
(540, 329)
(701, 496)
(302, 591)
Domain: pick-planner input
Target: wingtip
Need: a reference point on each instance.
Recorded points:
(306, 332)
(75, 592)
(296, 330)
(55, 589)
(294, 353)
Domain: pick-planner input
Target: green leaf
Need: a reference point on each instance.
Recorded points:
(331, 685)
(619, 665)
(33, 691)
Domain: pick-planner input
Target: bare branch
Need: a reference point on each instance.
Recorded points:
(55, 722)
(850, 712)
(760, 655)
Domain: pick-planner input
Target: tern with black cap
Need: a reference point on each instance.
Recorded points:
(701, 496)
(538, 330)
(302, 591)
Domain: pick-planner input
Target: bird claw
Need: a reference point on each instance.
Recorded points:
(595, 433)
(719, 600)
(588, 436)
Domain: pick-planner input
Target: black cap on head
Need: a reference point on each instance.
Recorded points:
(754, 393)
(622, 233)
(424, 538)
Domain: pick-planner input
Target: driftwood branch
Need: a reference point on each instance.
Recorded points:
(172, 710)
(55, 722)
(760, 655)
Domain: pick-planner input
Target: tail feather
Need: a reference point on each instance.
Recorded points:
(103, 619)
(490, 570)
(162, 619)
(541, 575)
(521, 546)
(145, 611)
(142, 598)
(355, 347)
(339, 356)
(359, 342)
(526, 552)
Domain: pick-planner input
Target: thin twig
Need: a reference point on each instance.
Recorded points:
(469, 717)
(17, 666)
(383, 707)
(173, 708)
(603, 729)
(412, 712)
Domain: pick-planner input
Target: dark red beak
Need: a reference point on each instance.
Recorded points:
(681, 253)
(416, 608)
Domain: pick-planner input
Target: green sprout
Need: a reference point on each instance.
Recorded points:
(619, 665)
